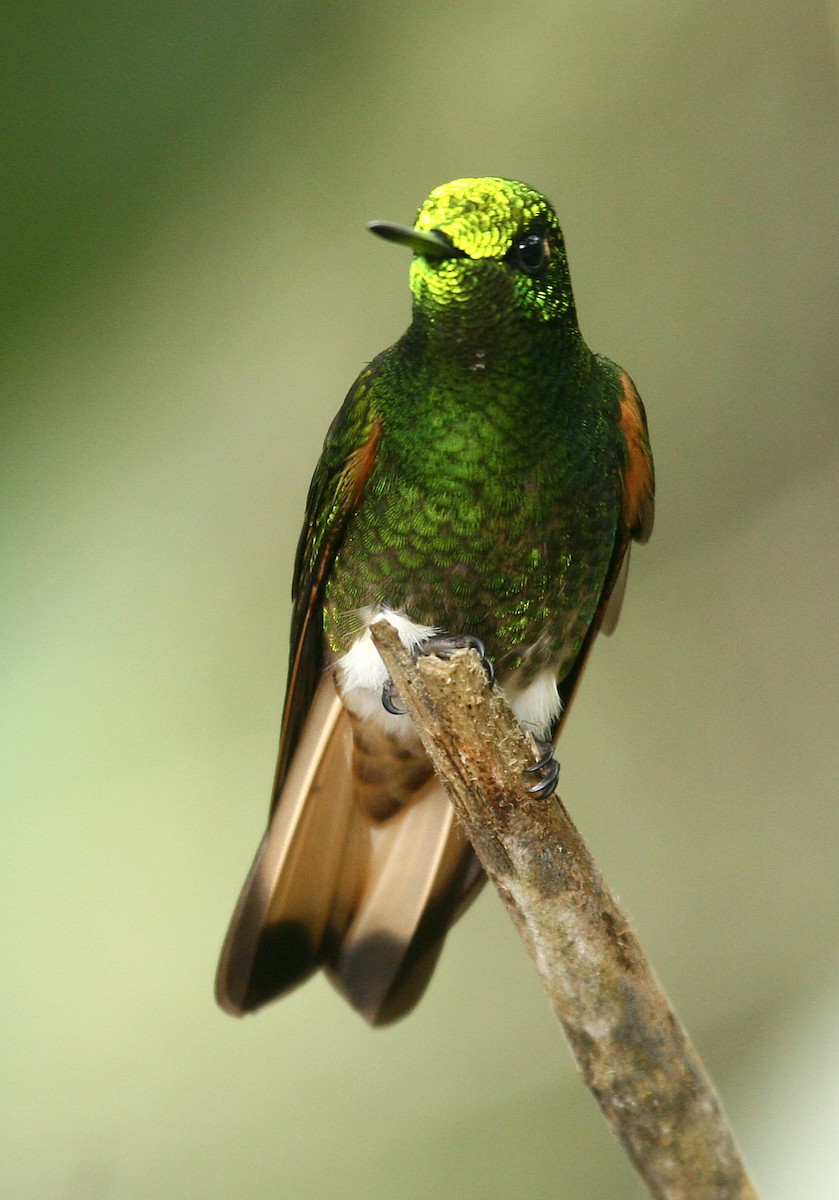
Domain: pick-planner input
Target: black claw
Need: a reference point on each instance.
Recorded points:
(445, 645)
(548, 785)
(547, 752)
(389, 699)
(547, 765)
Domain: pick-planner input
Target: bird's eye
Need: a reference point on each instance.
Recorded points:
(530, 253)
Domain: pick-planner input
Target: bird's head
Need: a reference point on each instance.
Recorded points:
(488, 253)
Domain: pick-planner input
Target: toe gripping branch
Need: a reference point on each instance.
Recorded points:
(444, 646)
(390, 699)
(548, 767)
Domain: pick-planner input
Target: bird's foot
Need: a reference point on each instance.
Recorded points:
(443, 645)
(390, 699)
(548, 767)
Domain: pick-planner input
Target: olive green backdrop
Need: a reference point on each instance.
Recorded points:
(188, 292)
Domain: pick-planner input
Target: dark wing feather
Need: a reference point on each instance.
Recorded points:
(309, 866)
(635, 523)
(349, 453)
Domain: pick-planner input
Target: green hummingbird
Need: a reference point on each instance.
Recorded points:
(484, 477)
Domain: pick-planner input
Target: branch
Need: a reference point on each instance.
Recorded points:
(632, 1052)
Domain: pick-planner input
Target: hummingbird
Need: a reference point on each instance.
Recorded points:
(481, 485)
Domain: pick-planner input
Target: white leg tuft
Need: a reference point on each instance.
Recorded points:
(361, 674)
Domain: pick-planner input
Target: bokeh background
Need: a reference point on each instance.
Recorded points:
(188, 292)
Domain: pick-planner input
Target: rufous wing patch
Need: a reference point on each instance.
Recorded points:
(638, 506)
(360, 464)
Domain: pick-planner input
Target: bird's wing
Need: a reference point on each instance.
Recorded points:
(312, 858)
(635, 523)
(349, 453)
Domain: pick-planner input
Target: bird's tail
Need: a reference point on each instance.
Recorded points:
(362, 870)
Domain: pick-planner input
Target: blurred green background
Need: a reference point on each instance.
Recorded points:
(188, 291)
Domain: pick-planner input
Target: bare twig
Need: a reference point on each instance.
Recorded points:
(629, 1046)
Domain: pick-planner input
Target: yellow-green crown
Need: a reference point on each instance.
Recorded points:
(506, 258)
(483, 216)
